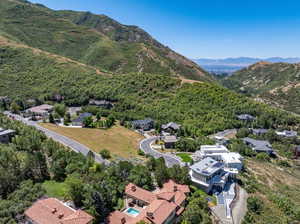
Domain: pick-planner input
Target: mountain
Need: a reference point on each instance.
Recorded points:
(96, 40)
(275, 83)
(230, 65)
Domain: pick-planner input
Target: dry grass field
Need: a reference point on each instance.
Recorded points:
(118, 140)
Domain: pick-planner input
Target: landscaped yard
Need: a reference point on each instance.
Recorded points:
(118, 140)
(185, 157)
(55, 189)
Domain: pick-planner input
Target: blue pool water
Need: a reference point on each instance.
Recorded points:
(132, 211)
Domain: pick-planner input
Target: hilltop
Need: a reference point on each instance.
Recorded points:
(96, 40)
(274, 83)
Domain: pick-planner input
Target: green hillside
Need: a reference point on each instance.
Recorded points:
(95, 40)
(275, 83)
(201, 107)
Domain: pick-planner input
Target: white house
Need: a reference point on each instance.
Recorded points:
(233, 162)
(287, 133)
(209, 174)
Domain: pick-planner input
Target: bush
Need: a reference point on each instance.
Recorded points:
(255, 204)
(262, 156)
(105, 154)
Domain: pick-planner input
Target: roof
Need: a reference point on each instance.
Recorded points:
(297, 148)
(171, 125)
(100, 102)
(159, 210)
(170, 139)
(213, 148)
(53, 211)
(245, 117)
(162, 203)
(6, 131)
(142, 122)
(207, 166)
(231, 157)
(259, 145)
(287, 133)
(139, 193)
(81, 117)
(259, 131)
(41, 108)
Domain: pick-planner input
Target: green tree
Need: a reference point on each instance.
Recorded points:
(88, 121)
(15, 108)
(75, 189)
(255, 204)
(105, 154)
(60, 109)
(51, 118)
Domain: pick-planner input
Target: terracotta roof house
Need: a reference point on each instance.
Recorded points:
(53, 211)
(163, 206)
(41, 110)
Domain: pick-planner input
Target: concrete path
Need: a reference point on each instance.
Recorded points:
(145, 146)
(74, 145)
(239, 209)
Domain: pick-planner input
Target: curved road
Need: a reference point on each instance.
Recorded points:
(145, 146)
(74, 145)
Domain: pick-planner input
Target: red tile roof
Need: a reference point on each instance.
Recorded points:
(139, 193)
(53, 211)
(161, 204)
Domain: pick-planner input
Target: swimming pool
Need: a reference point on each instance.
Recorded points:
(132, 211)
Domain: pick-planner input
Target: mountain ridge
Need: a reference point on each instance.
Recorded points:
(95, 40)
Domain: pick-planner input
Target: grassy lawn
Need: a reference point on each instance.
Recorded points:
(118, 140)
(185, 157)
(55, 189)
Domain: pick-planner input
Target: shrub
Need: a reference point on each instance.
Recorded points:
(255, 204)
(105, 154)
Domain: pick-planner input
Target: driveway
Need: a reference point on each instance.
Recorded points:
(145, 146)
(239, 209)
(74, 145)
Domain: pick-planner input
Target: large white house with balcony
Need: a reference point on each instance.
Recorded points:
(209, 174)
(233, 162)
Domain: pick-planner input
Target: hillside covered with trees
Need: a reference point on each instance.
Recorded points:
(275, 83)
(95, 40)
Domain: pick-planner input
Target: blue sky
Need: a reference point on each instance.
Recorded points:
(207, 28)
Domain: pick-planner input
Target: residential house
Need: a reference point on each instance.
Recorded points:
(245, 117)
(170, 127)
(6, 135)
(233, 162)
(170, 141)
(101, 103)
(259, 131)
(223, 137)
(73, 111)
(80, 119)
(297, 151)
(53, 211)
(40, 111)
(162, 206)
(145, 125)
(209, 174)
(287, 134)
(259, 145)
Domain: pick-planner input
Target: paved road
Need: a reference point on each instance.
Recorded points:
(145, 146)
(74, 145)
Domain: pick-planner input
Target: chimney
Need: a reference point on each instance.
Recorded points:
(123, 220)
(54, 210)
(61, 215)
(175, 188)
(150, 215)
(133, 188)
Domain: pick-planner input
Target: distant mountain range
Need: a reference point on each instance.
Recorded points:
(230, 65)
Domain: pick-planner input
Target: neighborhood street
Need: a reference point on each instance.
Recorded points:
(74, 145)
(145, 146)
